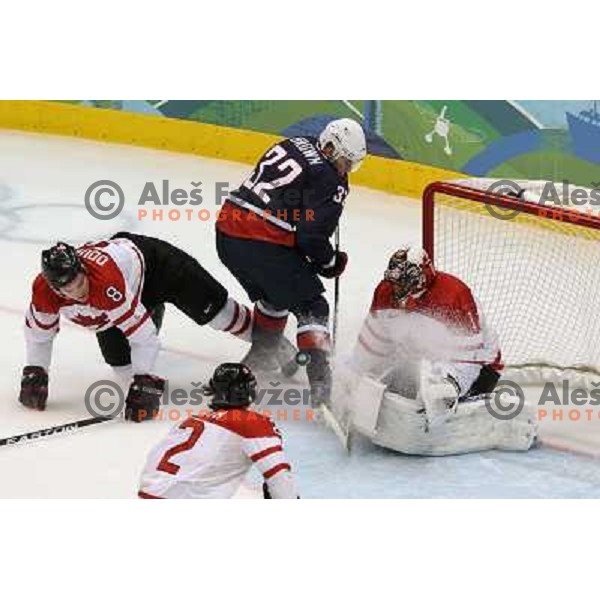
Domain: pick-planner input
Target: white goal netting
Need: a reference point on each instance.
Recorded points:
(536, 274)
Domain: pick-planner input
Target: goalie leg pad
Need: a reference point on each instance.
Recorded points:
(404, 427)
(366, 405)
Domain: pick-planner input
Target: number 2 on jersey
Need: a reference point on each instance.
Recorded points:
(197, 428)
(290, 169)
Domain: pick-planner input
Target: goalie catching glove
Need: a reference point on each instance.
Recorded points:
(143, 399)
(34, 388)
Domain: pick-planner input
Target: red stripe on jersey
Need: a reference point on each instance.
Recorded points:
(470, 362)
(268, 322)
(267, 452)
(131, 330)
(238, 222)
(276, 469)
(378, 337)
(363, 343)
(128, 314)
(146, 496)
(496, 364)
(245, 324)
(472, 347)
(40, 324)
(236, 314)
(313, 339)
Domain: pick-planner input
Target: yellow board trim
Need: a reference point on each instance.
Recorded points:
(176, 135)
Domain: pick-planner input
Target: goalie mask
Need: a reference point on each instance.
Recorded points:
(411, 272)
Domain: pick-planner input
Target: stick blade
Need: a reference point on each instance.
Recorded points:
(341, 429)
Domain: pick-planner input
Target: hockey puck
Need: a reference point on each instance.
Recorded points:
(303, 358)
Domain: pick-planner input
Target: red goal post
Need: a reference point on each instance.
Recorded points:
(534, 266)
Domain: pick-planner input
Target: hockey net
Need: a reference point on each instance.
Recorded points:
(534, 266)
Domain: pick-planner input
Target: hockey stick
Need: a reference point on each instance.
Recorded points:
(331, 421)
(52, 431)
(336, 295)
(342, 433)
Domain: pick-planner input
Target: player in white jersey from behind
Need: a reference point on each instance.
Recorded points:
(429, 363)
(209, 455)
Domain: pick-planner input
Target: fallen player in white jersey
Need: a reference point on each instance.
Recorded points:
(427, 364)
(209, 455)
(118, 288)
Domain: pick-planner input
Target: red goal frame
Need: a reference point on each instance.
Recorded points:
(573, 217)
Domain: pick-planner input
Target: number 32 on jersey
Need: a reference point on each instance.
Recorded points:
(278, 159)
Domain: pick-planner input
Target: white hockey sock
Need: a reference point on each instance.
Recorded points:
(234, 318)
(123, 374)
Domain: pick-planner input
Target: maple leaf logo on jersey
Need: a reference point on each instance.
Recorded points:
(90, 322)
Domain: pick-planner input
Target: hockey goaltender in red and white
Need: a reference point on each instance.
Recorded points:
(428, 362)
(118, 288)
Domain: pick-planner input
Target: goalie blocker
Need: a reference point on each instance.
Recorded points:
(419, 426)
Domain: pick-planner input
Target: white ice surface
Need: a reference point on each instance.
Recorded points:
(42, 183)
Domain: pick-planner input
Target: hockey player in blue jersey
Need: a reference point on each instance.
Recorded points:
(274, 232)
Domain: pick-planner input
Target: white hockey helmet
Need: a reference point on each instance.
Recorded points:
(348, 140)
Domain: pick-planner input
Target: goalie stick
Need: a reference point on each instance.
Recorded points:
(52, 431)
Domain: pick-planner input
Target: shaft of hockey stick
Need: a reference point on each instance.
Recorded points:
(330, 419)
(52, 431)
(336, 296)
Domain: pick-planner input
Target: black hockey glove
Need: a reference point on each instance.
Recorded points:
(34, 388)
(143, 399)
(266, 492)
(335, 270)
